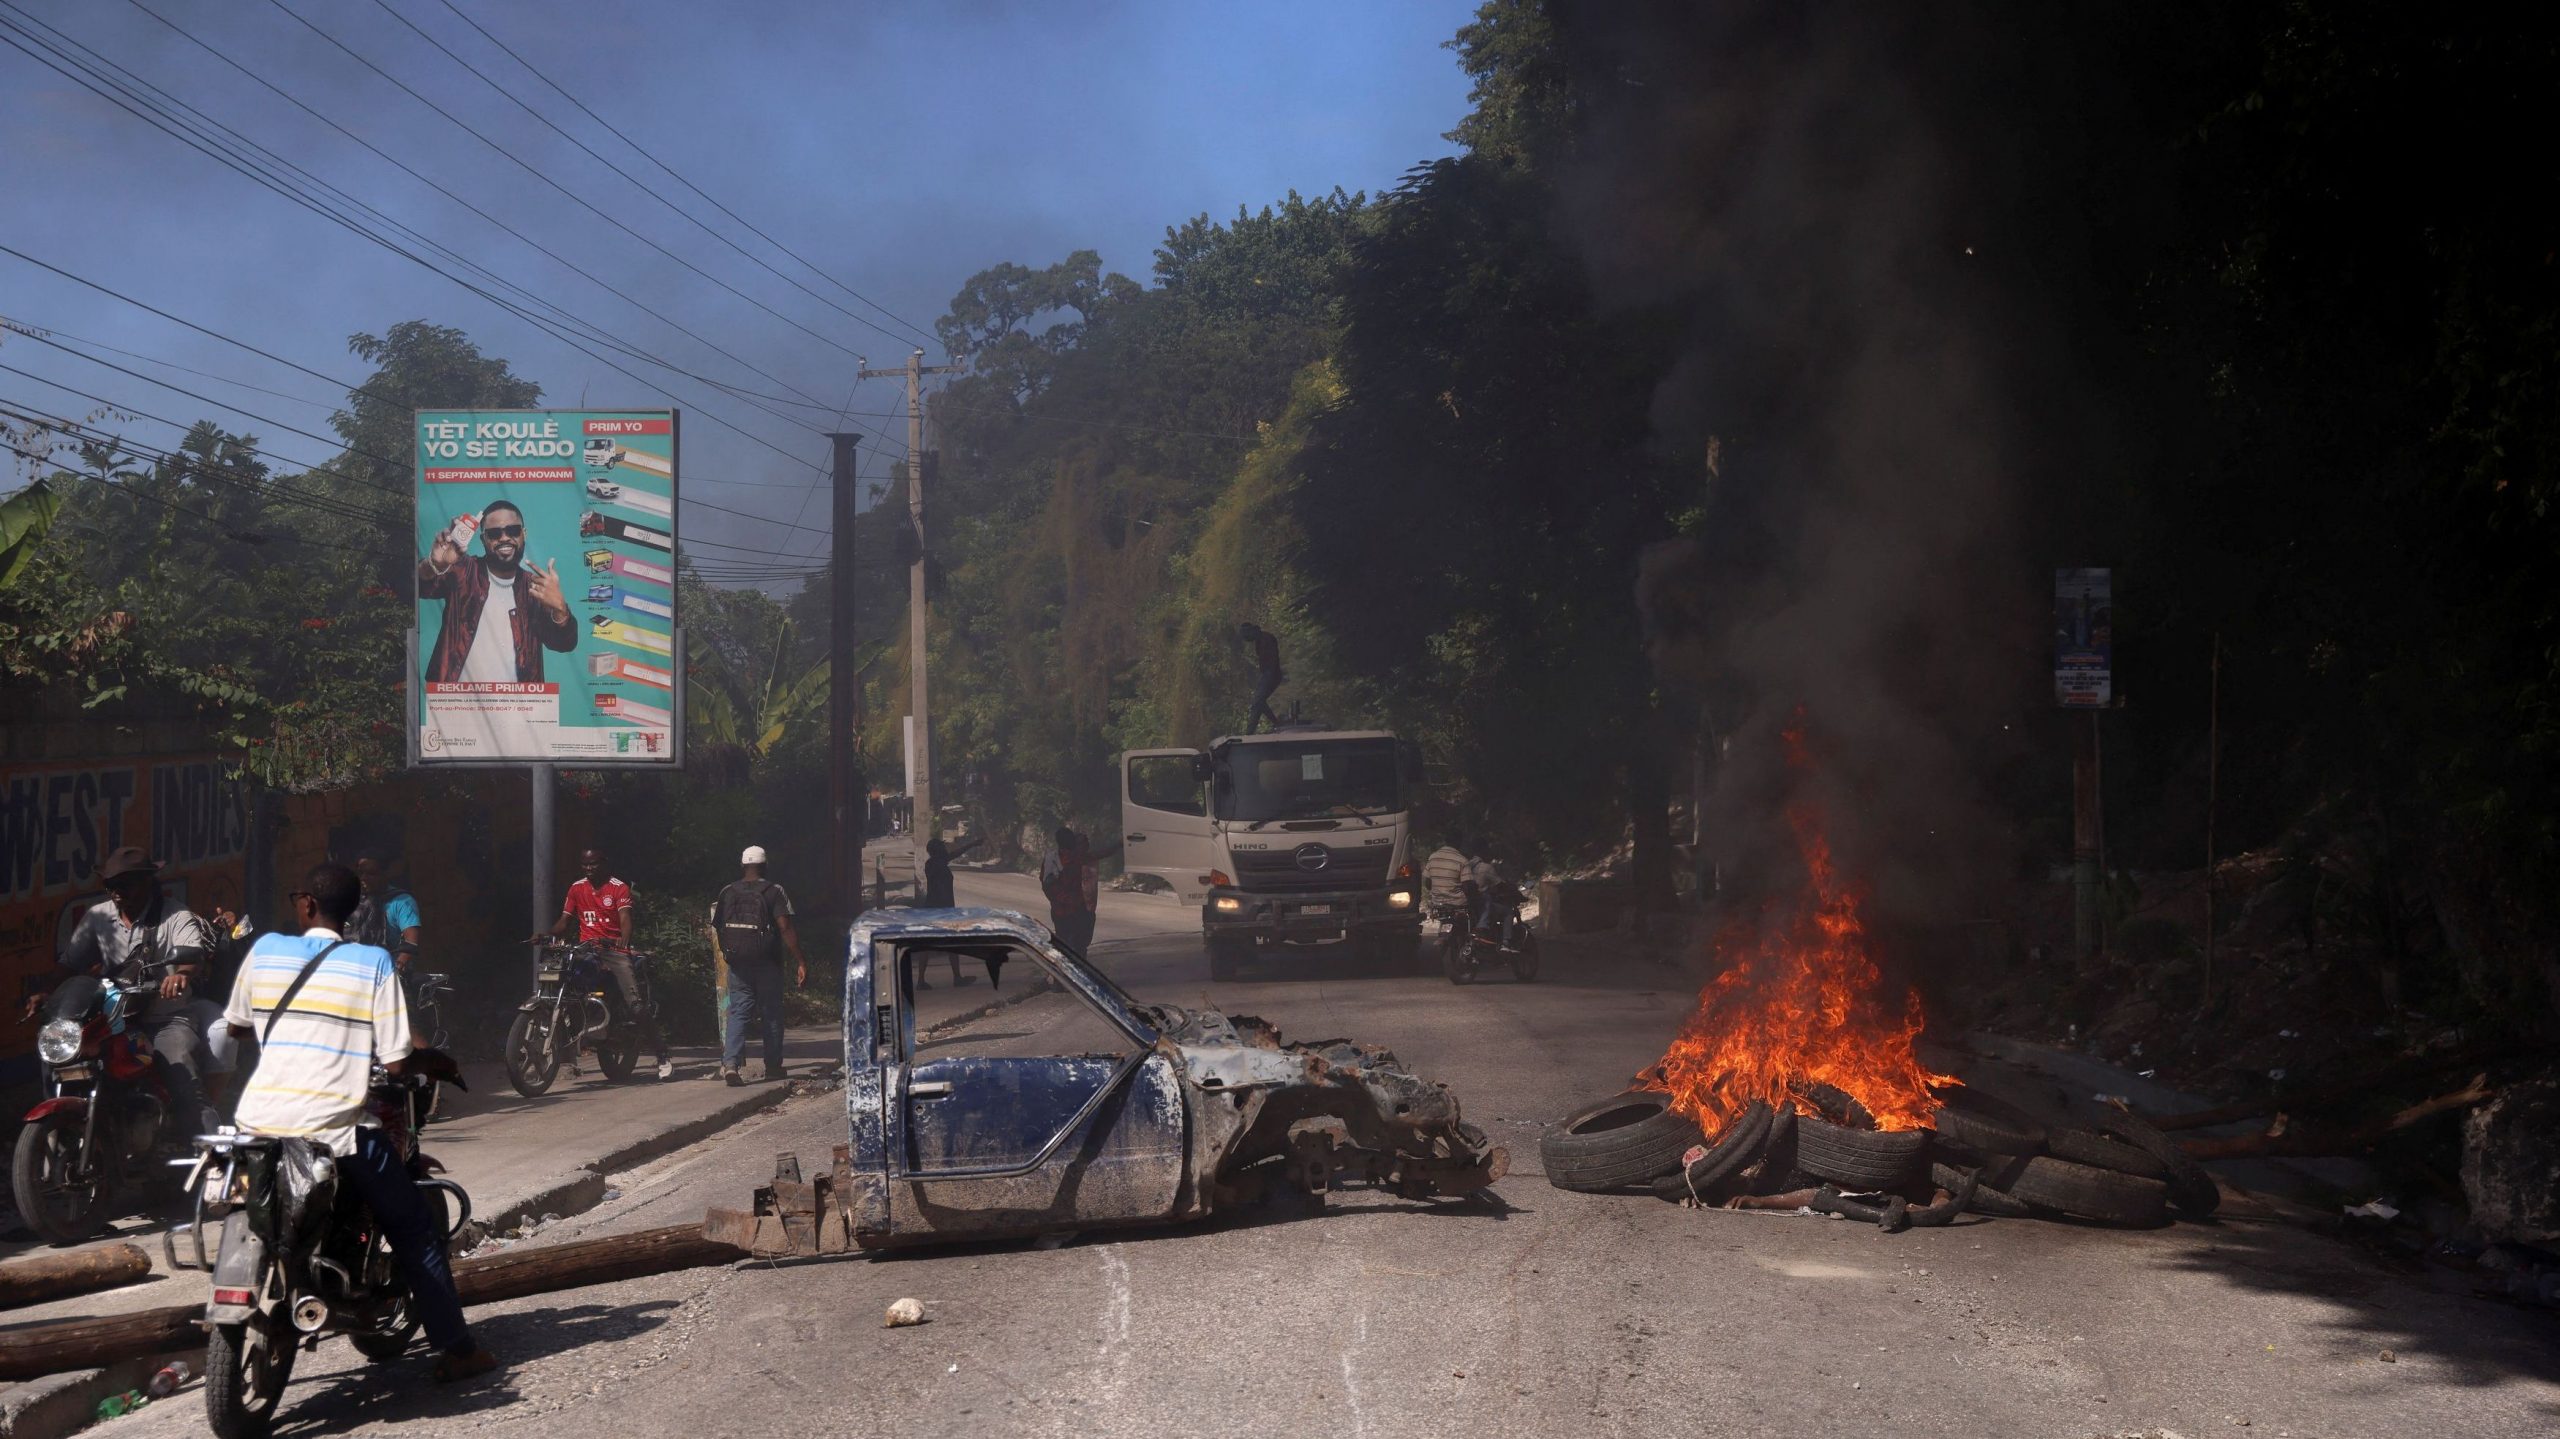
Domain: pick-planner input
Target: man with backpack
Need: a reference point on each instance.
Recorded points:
(753, 920)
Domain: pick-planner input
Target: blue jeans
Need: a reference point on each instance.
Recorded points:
(755, 997)
(382, 1181)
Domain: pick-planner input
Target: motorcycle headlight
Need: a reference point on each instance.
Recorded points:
(59, 1041)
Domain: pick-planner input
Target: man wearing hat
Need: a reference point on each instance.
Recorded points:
(126, 934)
(753, 921)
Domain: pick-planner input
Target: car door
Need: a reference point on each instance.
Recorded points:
(1003, 1134)
(1164, 821)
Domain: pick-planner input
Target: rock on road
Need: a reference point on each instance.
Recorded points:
(1548, 1313)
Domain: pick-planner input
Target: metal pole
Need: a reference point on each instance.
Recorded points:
(844, 781)
(2084, 837)
(2212, 792)
(919, 617)
(546, 843)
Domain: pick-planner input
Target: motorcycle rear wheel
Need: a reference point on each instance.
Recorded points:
(1454, 960)
(246, 1368)
(55, 1201)
(532, 1062)
(1524, 960)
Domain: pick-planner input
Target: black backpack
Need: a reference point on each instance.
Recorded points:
(747, 934)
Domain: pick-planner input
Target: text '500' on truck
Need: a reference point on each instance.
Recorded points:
(1297, 836)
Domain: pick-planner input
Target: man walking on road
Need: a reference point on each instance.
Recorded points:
(753, 918)
(386, 918)
(1267, 673)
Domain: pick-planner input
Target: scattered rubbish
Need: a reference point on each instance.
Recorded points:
(1058, 1239)
(954, 1369)
(2381, 1209)
(2290, 1034)
(2148, 1073)
(2276, 1074)
(171, 1378)
(904, 1313)
(2118, 1100)
(2388, 1357)
(550, 1219)
(2137, 1049)
(611, 1194)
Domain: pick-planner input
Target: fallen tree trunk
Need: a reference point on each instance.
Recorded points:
(58, 1276)
(2331, 1095)
(2283, 1140)
(30, 1350)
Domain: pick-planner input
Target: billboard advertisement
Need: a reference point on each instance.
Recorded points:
(2084, 621)
(546, 599)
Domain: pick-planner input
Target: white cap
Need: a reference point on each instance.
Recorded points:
(754, 855)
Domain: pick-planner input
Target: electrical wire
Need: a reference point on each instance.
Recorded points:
(599, 212)
(149, 112)
(644, 152)
(35, 331)
(645, 188)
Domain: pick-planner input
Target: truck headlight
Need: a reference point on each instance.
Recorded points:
(1401, 899)
(1227, 904)
(59, 1041)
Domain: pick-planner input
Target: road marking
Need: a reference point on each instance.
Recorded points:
(1351, 1384)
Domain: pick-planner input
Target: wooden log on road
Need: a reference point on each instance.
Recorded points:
(43, 1277)
(31, 1350)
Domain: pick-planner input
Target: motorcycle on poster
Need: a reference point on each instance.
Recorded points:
(546, 600)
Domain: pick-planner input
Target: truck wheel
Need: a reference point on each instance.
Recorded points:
(1226, 958)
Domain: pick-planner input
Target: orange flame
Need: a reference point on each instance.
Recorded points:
(1796, 1005)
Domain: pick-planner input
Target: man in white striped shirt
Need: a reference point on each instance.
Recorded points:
(315, 1076)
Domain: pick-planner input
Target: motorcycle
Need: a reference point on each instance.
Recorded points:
(106, 1105)
(570, 1015)
(427, 995)
(300, 1257)
(1466, 948)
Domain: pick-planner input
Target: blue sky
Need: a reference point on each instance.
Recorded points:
(899, 147)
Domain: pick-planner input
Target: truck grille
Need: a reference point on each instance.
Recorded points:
(1284, 871)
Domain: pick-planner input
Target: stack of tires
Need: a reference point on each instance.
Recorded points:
(1998, 1158)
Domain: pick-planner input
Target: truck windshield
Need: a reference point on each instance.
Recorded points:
(1308, 779)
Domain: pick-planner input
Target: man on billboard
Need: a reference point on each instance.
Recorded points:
(500, 614)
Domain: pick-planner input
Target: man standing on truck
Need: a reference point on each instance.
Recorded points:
(1268, 675)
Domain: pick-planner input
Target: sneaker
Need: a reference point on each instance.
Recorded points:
(666, 1069)
(732, 1078)
(772, 1075)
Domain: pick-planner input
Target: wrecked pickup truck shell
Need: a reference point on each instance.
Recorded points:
(1198, 1112)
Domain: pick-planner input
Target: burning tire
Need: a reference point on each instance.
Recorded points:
(1621, 1141)
(2126, 1199)
(1979, 1124)
(1743, 1142)
(2082, 1146)
(1862, 1159)
(2191, 1189)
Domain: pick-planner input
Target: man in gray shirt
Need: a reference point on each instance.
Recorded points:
(121, 938)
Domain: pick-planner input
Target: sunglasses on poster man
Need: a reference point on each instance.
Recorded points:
(502, 532)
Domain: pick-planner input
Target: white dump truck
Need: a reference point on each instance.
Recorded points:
(1301, 836)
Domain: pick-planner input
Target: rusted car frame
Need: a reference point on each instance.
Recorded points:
(1195, 1112)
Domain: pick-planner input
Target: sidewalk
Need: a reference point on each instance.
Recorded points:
(518, 1157)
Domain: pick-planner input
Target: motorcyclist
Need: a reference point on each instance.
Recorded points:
(1484, 886)
(122, 937)
(602, 908)
(314, 1079)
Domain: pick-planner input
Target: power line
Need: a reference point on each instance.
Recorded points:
(34, 331)
(592, 208)
(152, 113)
(512, 98)
(594, 331)
(196, 467)
(644, 152)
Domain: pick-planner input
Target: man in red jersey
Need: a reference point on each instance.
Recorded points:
(602, 908)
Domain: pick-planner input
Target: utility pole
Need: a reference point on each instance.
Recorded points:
(844, 689)
(928, 821)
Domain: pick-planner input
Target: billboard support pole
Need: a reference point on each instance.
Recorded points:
(2085, 835)
(844, 690)
(546, 838)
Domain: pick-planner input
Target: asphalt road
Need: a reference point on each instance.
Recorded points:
(1549, 1313)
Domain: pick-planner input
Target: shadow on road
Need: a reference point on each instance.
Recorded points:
(2380, 1301)
(403, 1390)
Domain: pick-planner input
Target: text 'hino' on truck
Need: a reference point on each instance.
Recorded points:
(1299, 836)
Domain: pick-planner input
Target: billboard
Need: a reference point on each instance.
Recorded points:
(2084, 622)
(546, 601)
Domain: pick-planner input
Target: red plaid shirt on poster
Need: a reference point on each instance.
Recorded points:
(603, 911)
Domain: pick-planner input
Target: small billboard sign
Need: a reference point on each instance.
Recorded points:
(2084, 639)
